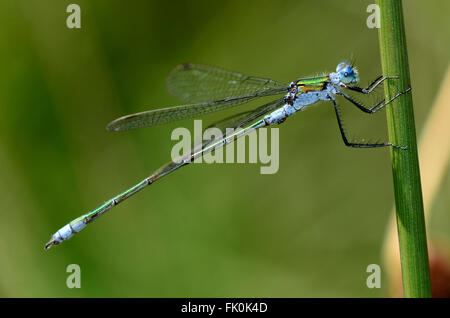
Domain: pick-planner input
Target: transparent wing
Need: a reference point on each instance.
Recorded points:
(169, 114)
(237, 121)
(194, 83)
(243, 118)
(244, 121)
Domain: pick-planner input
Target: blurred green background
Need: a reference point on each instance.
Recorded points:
(221, 230)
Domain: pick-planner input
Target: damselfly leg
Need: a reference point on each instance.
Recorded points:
(364, 145)
(372, 85)
(369, 89)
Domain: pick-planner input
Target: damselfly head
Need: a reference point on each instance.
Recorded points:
(347, 73)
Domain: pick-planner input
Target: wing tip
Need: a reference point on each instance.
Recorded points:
(113, 126)
(109, 127)
(120, 124)
(181, 67)
(185, 66)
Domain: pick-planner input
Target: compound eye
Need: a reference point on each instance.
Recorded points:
(345, 74)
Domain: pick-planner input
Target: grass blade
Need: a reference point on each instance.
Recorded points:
(405, 164)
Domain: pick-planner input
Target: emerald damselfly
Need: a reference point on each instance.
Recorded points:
(211, 89)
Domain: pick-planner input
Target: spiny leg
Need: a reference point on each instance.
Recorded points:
(372, 86)
(357, 145)
(370, 110)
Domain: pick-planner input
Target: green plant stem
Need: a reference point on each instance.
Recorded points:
(405, 164)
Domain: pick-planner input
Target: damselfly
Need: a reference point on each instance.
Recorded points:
(212, 89)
